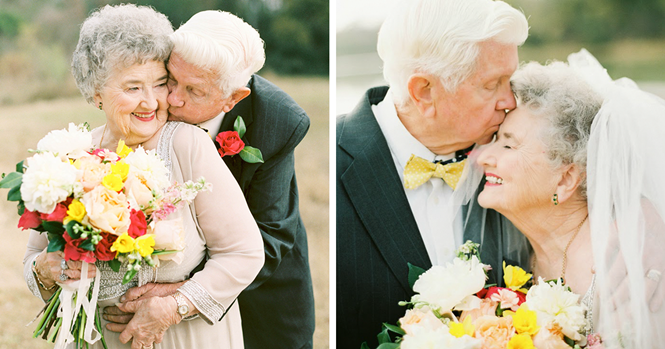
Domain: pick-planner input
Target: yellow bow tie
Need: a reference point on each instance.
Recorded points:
(418, 171)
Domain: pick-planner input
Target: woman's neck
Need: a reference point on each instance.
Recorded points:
(108, 139)
(553, 233)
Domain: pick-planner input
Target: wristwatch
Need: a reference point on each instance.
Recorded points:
(183, 306)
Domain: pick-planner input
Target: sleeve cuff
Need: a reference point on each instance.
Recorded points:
(30, 278)
(209, 309)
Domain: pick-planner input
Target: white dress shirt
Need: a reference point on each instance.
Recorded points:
(213, 125)
(441, 232)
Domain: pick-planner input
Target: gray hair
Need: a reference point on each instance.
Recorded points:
(442, 37)
(569, 104)
(221, 43)
(118, 36)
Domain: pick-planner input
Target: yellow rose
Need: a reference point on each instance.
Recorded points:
(123, 244)
(459, 329)
(107, 210)
(136, 189)
(145, 244)
(515, 277)
(494, 331)
(92, 171)
(120, 168)
(525, 321)
(75, 212)
(113, 182)
(520, 341)
(122, 149)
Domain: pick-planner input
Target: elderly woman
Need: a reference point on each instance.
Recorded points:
(571, 168)
(119, 66)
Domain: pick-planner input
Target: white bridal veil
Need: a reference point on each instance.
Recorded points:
(626, 194)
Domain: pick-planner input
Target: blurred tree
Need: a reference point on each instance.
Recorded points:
(9, 25)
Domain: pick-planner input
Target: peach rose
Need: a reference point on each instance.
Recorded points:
(136, 189)
(550, 337)
(107, 210)
(419, 317)
(487, 307)
(494, 331)
(92, 171)
(169, 235)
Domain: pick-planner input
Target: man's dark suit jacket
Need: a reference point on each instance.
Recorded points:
(277, 309)
(377, 234)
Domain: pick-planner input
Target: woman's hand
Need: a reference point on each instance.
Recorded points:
(152, 317)
(49, 268)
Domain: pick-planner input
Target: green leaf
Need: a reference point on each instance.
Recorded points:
(251, 155)
(115, 265)
(21, 208)
(19, 167)
(414, 273)
(129, 275)
(364, 346)
(158, 252)
(388, 346)
(87, 245)
(14, 194)
(384, 337)
(56, 243)
(53, 227)
(393, 328)
(70, 229)
(11, 180)
(239, 126)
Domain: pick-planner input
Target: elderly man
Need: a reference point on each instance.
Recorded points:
(212, 83)
(448, 64)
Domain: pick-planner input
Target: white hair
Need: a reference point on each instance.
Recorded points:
(558, 94)
(222, 43)
(441, 37)
(118, 36)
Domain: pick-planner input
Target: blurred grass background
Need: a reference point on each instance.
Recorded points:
(626, 36)
(38, 94)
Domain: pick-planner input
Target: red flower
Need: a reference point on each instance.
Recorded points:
(74, 253)
(492, 290)
(103, 250)
(138, 226)
(29, 220)
(58, 215)
(229, 143)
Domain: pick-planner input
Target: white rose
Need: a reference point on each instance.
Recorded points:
(149, 167)
(440, 338)
(46, 182)
(444, 287)
(420, 317)
(73, 142)
(553, 303)
(169, 235)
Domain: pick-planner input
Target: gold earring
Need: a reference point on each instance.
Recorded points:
(555, 199)
(100, 105)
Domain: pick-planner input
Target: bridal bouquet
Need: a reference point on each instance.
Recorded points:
(96, 205)
(454, 309)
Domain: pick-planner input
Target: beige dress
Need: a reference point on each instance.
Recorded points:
(235, 249)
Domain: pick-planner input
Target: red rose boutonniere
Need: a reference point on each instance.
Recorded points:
(230, 143)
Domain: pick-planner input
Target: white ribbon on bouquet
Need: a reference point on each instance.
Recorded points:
(69, 309)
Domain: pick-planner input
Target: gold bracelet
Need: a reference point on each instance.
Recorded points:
(41, 284)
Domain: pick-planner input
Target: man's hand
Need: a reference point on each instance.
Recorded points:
(119, 319)
(154, 315)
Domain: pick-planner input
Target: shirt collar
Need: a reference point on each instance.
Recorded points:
(401, 143)
(213, 125)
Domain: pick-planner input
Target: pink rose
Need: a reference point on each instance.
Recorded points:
(229, 143)
(92, 171)
(107, 210)
(487, 307)
(138, 226)
(29, 220)
(495, 290)
(507, 298)
(494, 331)
(169, 235)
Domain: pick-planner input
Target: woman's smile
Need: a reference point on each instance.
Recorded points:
(144, 116)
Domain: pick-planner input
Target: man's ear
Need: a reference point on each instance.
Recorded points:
(236, 97)
(420, 91)
(569, 182)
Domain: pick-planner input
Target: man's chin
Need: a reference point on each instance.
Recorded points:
(175, 118)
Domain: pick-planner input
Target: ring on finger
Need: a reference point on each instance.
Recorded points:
(63, 276)
(654, 275)
(63, 265)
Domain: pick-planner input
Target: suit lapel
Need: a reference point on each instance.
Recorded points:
(243, 109)
(376, 193)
